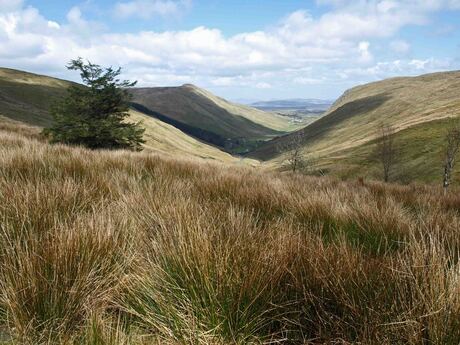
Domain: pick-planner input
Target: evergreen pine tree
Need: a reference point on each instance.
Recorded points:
(94, 115)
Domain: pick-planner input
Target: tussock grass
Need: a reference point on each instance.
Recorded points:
(111, 248)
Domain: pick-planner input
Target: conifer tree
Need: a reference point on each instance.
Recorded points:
(94, 114)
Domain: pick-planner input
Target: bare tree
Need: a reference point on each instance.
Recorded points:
(386, 152)
(295, 159)
(451, 150)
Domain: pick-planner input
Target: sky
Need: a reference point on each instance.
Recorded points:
(241, 49)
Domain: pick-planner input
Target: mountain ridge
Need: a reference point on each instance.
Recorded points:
(199, 108)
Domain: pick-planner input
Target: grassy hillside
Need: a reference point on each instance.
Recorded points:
(419, 156)
(350, 126)
(263, 118)
(27, 98)
(164, 138)
(196, 107)
(119, 248)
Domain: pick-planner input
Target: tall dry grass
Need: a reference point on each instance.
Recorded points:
(111, 248)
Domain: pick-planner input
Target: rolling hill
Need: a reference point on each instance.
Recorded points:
(178, 121)
(27, 97)
(418, 108)
(209, 117)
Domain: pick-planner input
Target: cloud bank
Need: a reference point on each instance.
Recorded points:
(334, 48)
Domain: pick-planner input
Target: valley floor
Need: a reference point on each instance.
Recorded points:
(137, 248)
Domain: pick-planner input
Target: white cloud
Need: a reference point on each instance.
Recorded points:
(299, 50)
(223, 81)
(10, 5)
(147, 9)
(427, 4)
(53, 25)
(74, 16)
(400, 46)
(307, 81)
(365, 54)
(398, 68)
(263, 85)
(454, 4)
(252, 81)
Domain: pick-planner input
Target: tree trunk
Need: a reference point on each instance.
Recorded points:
(447, 174)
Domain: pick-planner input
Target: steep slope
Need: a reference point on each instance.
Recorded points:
(351, 125)
(420, 156)
(164, 138)
(201, 109)
(27, 97)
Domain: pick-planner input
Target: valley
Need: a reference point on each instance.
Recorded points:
(300, 112)
(202, 172)
(232, 127)
(27, 98)
(189, 220)
(189, 121)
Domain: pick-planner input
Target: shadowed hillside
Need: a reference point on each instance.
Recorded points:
(343, 138)
(198, 108)
(27, 97)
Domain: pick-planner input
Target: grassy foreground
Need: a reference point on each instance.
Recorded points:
(111, 248)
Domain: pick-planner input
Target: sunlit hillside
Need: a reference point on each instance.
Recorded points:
(418, 108)
(165, 138)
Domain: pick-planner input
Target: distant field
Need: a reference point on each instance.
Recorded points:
(297, 117)
(313, 105)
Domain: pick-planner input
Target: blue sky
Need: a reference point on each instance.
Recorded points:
(239, 49)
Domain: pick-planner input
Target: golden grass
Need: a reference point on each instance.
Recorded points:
(164, 138)
(21, 77)
(114, 248)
